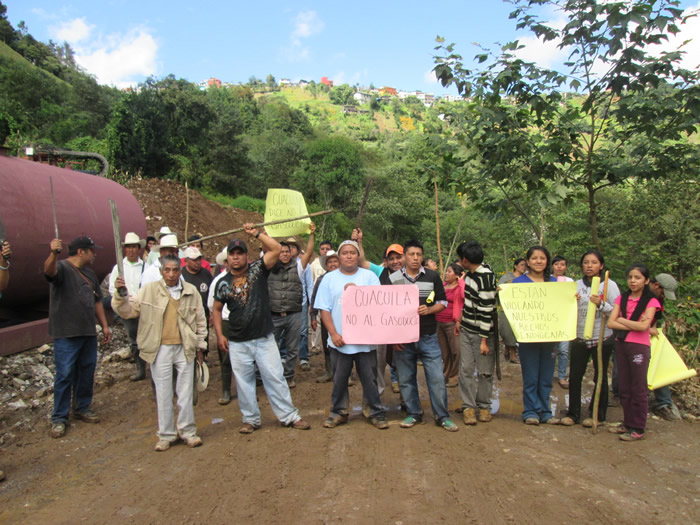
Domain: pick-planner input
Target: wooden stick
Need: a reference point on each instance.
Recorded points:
(364, 202)
(437, 226)
(260, 225)
(187, 212)
(601, 336)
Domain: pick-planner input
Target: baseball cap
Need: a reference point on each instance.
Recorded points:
(192, 253)
(84, 243)
(393, 248)
(669, 284)
(349, 243)
(237, 243)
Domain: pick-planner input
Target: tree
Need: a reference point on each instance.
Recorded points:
(634, 110)
(343, 95)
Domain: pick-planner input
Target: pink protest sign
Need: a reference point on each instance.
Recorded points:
(380, 314)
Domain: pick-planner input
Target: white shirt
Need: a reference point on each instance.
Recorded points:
(151, 274)
(210, 298)
(132, 276)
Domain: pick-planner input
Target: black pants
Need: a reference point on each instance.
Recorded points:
(366, 365)
(579, 354)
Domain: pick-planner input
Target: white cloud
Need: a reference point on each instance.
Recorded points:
(429, 77)
(121, 58)
(72, 31)
(544, 54)
(116, 59)
(306, 24)
(688, 31)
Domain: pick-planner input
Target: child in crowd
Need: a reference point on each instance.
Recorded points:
(592, 265)
(559, 265)
(537, 359)
(631, 319)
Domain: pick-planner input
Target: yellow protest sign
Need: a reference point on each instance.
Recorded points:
(281, 204)
(540, 312)
(665, 366)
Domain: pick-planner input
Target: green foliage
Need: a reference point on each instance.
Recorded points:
(343, 95)
(243, 202)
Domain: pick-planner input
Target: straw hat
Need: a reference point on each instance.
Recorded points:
(324, 258)
(132, 238)
(167, 241)
(201, 374)
(192, 253)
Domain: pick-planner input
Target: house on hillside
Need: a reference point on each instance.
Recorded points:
(388, 91)
(349, 109)
(303, 83)
(362, 98)
(213, 82)
(285, 82)
(329, 83)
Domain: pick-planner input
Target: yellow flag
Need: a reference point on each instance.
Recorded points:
(281, 204)
(665, 366)
(540, 312)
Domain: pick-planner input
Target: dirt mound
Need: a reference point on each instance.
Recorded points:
(164, 203)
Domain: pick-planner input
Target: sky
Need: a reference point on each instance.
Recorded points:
(122, 42)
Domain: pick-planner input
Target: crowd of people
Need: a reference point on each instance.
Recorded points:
(267, 312)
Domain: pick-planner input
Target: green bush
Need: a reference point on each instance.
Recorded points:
(242, 202)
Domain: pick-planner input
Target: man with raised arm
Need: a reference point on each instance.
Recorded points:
(249, 339)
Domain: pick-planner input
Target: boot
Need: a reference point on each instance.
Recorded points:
(226, 373)
(514, 356)
(328, 375)
(140, 374)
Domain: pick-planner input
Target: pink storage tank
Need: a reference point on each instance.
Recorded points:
(82, 208)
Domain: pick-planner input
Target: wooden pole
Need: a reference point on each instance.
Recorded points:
(364, 202)
(601, 336)
(187, 212)
(260, 225)
(437, 226)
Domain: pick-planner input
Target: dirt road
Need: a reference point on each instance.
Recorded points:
(501, 472)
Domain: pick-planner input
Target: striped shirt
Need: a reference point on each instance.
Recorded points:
(479, 301)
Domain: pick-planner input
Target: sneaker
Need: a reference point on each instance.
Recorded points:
(87, 415)
(553, 421)
(485, 415)
(452, 384)
(564, 384)
(632, 436)
(300, 424)
(334, 420)
(469, 416)
(162, 445)
(380, 422)
(58, 430)
(410, 422)
(248, 428)
(531, 421)
(395, 387)
(192, 442)
(667, 413)
(449, 425)
(291, 383)
(588, 422)
(305, 366)
(567, 421)
(617, 429)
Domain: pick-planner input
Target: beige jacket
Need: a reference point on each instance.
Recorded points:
(149, 306)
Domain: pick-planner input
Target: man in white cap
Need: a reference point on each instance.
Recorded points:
(133, 268)
(172, 332)
(168, 246)
(225, 362)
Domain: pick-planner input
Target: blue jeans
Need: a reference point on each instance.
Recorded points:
(662, 397)
(76, 359)
(263, 352)
(428, 350)
(537, 365)
(562, 359)
(304, 335)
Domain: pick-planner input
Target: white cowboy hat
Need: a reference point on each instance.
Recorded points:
(324, 258)
(167, 241)
(132, 238)
(192, 253)
(164, 230)
(221, 257)
(201, 375)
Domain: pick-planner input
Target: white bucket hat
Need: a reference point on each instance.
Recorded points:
(132, 238)
(164, 230)
(167, 241)
(192, 253)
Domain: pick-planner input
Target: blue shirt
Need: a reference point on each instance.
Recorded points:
(376, 268)
(329, 298)
(525, 278)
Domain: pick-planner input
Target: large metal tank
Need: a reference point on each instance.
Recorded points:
(82, 208)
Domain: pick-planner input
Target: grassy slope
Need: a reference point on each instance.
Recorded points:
(6, 52)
